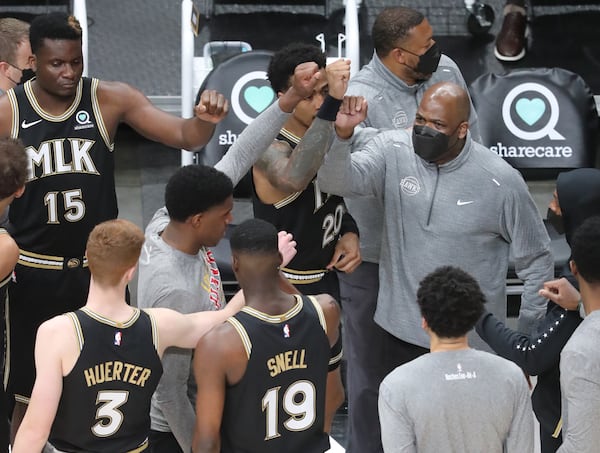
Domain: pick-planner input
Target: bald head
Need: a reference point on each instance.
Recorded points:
(452, 97)
(444, 109)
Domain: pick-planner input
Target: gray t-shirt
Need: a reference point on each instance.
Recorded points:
(173, 279)
(456, 401)
(580, 387)
(190, 283)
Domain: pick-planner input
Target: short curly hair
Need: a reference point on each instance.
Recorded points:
(254, 236)
(55, 25)
(284, 62)
(585, 250)
(194, 189)
(451, 301)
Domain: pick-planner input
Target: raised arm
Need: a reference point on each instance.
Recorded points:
(261, 132)
(120, 102)
(290, 170)
(50, 347)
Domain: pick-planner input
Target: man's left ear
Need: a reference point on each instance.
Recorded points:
(573, 267)
(462, 129)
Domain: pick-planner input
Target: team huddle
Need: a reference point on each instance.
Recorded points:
(355, 185)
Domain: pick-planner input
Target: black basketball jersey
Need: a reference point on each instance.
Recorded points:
(313, 217)
(71, 185)
(4, 281)
(105, 402)
(279, 404)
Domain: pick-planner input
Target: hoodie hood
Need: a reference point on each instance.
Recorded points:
(578, 196)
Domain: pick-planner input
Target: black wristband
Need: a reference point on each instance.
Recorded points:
(329, 108)
(335, 354)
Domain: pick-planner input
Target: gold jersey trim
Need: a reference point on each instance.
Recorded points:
(6, 280)
(276, 319)
(41, 261)
(303, 277)
(290, 136)
(99, 119)
(287, 200)
(7, 354)
(47, 116)
(78, 329)
(155, 334)
(558, 428)
(104, 320)
(14, 105)
(142, 447)
(22, 399)
(320, 313)
(243, 335)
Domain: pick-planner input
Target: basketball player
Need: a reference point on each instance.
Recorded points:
(97, 367)
(263, 377)
(286, 192)
(68, 125)
(13, 172)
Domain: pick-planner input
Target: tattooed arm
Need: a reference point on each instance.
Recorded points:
(282, 170)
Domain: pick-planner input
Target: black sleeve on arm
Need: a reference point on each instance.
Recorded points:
(348, 225)
(337, 351)
(535, 354)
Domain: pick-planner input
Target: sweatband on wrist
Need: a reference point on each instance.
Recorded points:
(335, 354)
(329, 108)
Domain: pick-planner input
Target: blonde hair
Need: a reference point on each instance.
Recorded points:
(113, 248)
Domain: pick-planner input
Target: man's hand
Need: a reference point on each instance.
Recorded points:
(212, 107)
(346, 256)
(353, 111)
(287, 247)
(562, 293)
(304, 80)
(338, 74)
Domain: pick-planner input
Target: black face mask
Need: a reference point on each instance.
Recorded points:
(428, 143)
(428, 62)
(556, 221)
(26, 74)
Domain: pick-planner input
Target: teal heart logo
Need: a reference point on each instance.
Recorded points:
(259, 98)
(530, 110)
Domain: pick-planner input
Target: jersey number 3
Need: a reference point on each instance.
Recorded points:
(109, 417)
(298, 402)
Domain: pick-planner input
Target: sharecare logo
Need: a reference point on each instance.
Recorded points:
(529, 110)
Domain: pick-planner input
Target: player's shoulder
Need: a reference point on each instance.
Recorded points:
(56, 328)
(9, 250)
(116, 93)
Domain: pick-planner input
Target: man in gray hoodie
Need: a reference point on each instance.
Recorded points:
(406, 62)
(445, 199)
